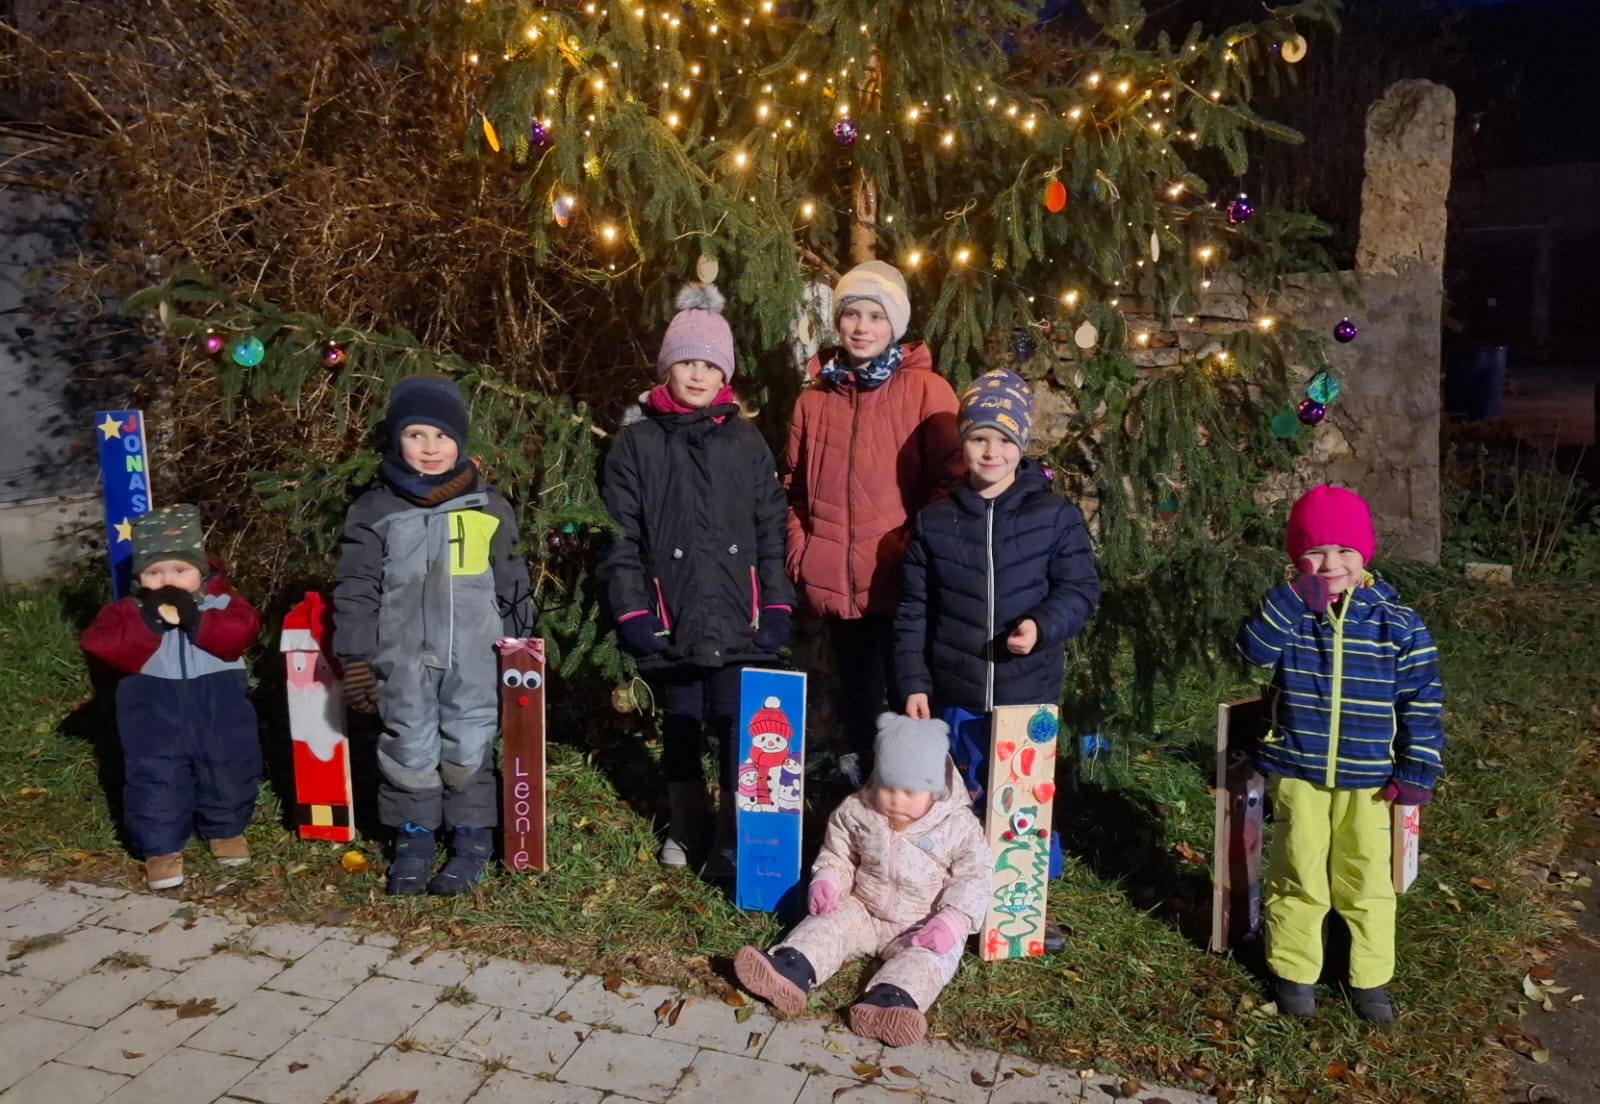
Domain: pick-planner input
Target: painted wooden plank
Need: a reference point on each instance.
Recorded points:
(1406, 836)
(323, 796)
(771, 789)
(522, 754)
(125, 487)
(1236, 911)
(1020, 790)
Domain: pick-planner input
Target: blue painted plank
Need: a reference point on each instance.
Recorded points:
(772, 729)
(125, 486)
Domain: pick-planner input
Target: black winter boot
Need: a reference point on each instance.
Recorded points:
(782, 978)
(414, 849)
(887, 1013)
(1372, 1005)
(470, 852)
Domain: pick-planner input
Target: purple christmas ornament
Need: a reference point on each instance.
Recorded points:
(1311, 412)
(1345, 332)
(538, 135)
(215, 343)
(1241, 210)
(332, 355)
(844, 132)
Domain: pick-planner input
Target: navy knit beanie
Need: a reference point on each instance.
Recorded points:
(428, 400)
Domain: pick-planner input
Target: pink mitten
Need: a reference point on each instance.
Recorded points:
(824, 897)
(936, 935)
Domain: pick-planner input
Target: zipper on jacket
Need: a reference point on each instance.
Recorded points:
(1338, 691)
(661, 606)
(988, 551)
(755, 599)
(894, 882)
(849, 502)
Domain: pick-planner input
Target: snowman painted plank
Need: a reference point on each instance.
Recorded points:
(522, 753)
(322, 792)
(1020, 793)
(771, 789)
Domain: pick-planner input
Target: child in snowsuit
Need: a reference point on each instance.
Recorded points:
(1356, 727)
(873, 440)
(997, 578)
(427, 580)
(904, 874)
(190, 752)
(694, 576)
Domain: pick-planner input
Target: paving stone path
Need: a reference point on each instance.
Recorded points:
(132, 998)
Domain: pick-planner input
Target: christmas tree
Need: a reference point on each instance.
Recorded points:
(1040, 182)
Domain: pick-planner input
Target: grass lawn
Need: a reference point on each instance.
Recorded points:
(1134, 992)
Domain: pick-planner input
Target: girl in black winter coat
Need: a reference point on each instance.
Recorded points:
(695, 576)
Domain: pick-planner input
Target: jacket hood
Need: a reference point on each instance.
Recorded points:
(915, 356)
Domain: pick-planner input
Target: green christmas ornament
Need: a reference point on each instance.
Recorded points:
(1323, 388)
(1168, 506)
(1286, 424)
(247, 352)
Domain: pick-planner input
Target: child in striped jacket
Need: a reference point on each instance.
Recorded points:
(1356, 728)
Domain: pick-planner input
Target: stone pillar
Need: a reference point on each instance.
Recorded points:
(1391, 415)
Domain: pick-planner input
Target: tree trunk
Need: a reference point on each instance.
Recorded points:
(864, 192)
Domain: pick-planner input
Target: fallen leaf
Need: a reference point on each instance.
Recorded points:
(754, 1039)
(611, 983)
(1156, 1100)
(1480, 883)
(31, 791)
(563, 1017)
(733, 998)
(160, 927)
(832, 1047)
(663, 1008)
(396, 1096)
(354, 862)
(1541, 1056)
(195, 1007)
(901, 1071)
(741, 1015)
(1530, 989)
(1337, 1071)
(1189, 854)
(423, 957)
(1543, 973)
(862, 1069)
(1575, 998)
(672, 1020)
(130, 1055)
(981, 1081)
(296, 1067)
(1020, 1072)
(1130, 1087)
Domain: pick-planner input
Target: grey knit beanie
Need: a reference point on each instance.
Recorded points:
(912, 754)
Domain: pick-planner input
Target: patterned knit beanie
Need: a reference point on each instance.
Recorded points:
(1330, 515)
(169, 533)
(698, 332)
(879, 283)
(1000, 399)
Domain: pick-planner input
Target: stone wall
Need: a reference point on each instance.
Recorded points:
(1382, 437)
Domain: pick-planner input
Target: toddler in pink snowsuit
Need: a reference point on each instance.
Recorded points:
(904, 874)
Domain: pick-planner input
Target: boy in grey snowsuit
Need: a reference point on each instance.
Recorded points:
(427, 580)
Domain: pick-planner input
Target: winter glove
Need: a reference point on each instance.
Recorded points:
(1312, 589)
(360, 689)
(936, 935)
(641, 635)
(823, 898)
(1403, 793)
(169, 608)
(776, 624)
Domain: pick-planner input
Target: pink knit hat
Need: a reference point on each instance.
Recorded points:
(697, 332)
(1330, 515)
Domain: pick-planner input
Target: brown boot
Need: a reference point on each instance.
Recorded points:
(164, 871)
(233, 851)
(887, 1013)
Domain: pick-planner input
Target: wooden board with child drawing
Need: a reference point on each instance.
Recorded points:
(1406, 834)
(1020, 789)
(323, 795)
(1236, 912)
(771, 789)
(522, 753)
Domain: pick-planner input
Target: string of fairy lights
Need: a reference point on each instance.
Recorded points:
(1110, 102)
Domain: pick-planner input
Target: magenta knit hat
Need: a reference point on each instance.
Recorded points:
(698, 332)
(1330, 515)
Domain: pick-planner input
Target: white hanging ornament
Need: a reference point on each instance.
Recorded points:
(706, 269)
(1293, 49)
(1085, 336)
(1155, 246)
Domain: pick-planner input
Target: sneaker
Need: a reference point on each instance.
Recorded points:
(1295, 999)
(470, 852)
(782, 978)
(414, 849)
(887, 1013)
(1372, 1005)
(164, 871)
(233, 851)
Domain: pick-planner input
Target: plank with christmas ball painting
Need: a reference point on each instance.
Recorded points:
(1020, 794)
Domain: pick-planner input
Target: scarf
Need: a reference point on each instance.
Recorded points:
(662, 402)
(427, 490)
(870, 376)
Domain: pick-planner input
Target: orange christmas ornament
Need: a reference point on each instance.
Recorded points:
(490, 136)
(1055, 197)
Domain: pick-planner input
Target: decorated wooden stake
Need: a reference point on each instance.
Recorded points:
(125, 487)
(772, 729)
(1406, 823)
(322, 793)
(1236, 914)
(522, 786)
(1021, 788)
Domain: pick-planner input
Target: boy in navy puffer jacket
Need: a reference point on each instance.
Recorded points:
(997, 578)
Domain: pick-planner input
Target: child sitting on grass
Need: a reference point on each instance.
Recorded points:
(191, 755)
(904, 874)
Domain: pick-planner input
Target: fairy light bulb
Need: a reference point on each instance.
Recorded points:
(1142, 338)
(741, 159)
(1175, 190)
(949, 139)
(672, 119)
(914, 258)
(1075, 114)
(599, 84)
(1266, 323)
(1124, 87)
(762, 111)
(807, 209)
(472, 58)
(1069, 299)
(1093, 79)
(694, 70)
(608, 233)
(913, 114)
(1030, 123)
(532, 34)
(1205, 253)
(1216, 94)
(963, 255)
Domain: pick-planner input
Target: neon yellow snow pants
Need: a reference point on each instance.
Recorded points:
(1329, 848)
